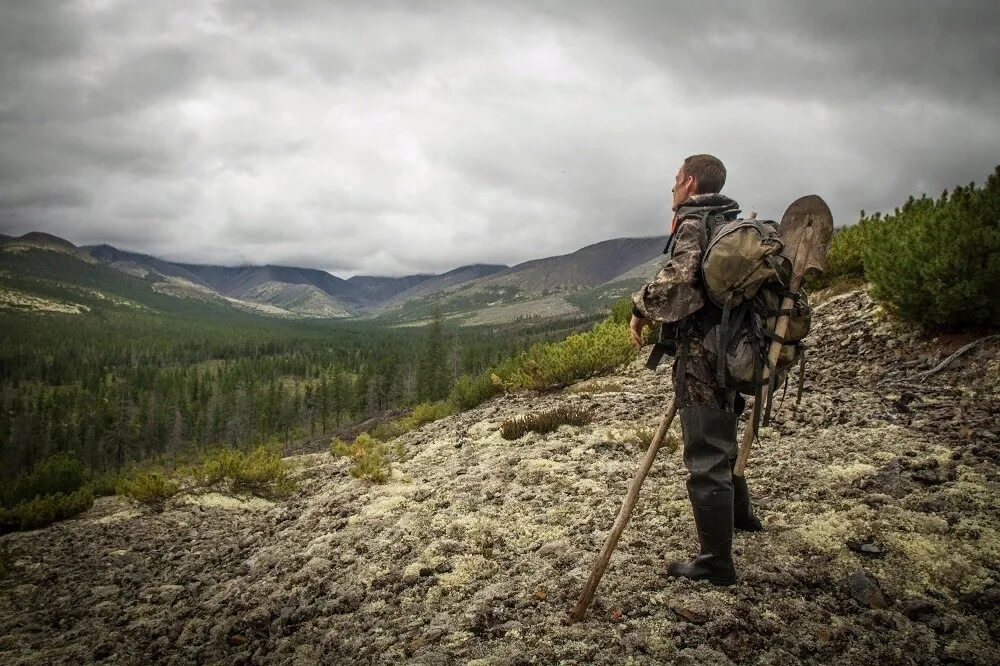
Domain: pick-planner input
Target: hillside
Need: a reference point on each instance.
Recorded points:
(478, 547)
(553, 287)
(557, 286)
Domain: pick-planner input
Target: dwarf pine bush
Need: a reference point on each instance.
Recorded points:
(260, 472)
(151, 488)
(58, 474)
(470, 391)
(621, 310)
(43, 510)
(543, 422)
(424, 412)
(937, 261)
(581, 355)
(370, 456)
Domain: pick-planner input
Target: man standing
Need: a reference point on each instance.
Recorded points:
(709, 412)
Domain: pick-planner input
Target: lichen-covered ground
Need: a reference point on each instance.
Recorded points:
(879, 495)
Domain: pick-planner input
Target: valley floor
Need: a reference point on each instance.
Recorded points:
(478, 547)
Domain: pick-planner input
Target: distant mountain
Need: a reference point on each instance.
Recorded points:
(576, 283)
(563, 285)
(43, 273)
(380, 289)
(139, 264)
(438, 283)
(587, 267)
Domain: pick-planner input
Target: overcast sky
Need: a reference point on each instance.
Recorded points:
(393, 138)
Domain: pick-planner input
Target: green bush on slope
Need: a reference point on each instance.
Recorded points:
(45, 509)
(937, 261)
(150, 488)
(260, 472)
(554, 365)
(369, 455)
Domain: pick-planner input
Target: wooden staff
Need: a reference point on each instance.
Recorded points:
(624, 514)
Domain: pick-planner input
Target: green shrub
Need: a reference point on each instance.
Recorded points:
(427, 412)
(261, 472)
(468, 392)
(937, 262)
(103, 485)
(45, 509)
(544, 422)
(147, 487)
(845, 257)
(621, 311)
(370, 456)
(6, 565)
(557, 364)
(58, 474)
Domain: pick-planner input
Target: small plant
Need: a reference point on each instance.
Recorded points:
(544, 422)
(5, 561)
(261, 472)
(59, 474)
(44, 510)
(150, 488)
(643, 436)
(546, 366)
(371, 457)
(427, 412)
(469, 392)
(597, 386)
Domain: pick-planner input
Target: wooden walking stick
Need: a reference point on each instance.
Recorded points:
(806, 229)
(624, 514)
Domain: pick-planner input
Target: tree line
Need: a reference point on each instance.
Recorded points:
(126, 386)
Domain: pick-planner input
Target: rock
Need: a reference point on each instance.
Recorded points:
(865, 589)
(917, 609)
(689, 614)
(104, 591)
(867, 546)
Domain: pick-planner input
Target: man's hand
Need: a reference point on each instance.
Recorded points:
(636, 326)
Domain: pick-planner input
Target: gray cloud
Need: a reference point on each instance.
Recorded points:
(401, 137)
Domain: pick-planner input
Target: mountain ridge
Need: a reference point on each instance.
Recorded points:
(536, 287)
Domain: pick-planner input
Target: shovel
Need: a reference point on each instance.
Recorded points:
(806, 229)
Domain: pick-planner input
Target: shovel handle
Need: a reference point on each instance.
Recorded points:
(799, 264)
(624, 514)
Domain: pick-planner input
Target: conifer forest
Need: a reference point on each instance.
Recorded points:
(115, 387)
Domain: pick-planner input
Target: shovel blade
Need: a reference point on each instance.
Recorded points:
(804, 213)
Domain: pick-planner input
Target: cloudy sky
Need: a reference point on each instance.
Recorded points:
(392, 138)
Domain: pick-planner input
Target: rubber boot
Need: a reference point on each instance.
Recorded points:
(708, 441)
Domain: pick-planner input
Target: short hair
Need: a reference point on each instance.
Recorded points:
(708, 171)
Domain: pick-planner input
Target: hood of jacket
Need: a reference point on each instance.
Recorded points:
(702, 203)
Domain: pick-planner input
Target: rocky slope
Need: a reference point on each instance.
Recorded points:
(880, 494)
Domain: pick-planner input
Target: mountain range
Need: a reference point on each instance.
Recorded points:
(581, 282)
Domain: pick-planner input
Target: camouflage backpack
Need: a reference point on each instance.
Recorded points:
(745, 273)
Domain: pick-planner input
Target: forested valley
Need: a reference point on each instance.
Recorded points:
(114, 388)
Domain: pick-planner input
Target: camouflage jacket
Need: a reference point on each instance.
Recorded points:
(676, 290)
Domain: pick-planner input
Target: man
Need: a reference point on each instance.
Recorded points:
(709, 412)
